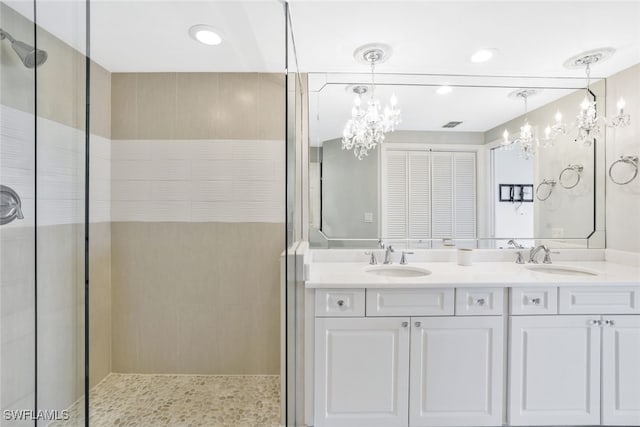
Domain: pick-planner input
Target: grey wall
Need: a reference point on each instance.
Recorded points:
(623, 201)
(349, 189)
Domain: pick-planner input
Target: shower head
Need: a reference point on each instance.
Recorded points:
(29, 55)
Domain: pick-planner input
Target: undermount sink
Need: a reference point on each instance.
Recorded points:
(562, 270)
(397, 271)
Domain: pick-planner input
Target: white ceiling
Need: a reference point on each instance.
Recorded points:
(152, 36)
(533, 38)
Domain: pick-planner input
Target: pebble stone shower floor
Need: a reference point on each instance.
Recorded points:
(181, 401)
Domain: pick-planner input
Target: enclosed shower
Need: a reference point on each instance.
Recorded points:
(144, 214)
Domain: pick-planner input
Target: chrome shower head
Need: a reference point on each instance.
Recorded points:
(29, 55)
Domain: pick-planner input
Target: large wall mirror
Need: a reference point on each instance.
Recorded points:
(459, 166)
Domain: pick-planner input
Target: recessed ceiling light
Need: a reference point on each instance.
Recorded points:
(205, 35)
(443, 90)
(483, 55)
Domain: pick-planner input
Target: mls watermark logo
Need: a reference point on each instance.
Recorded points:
(31, 415)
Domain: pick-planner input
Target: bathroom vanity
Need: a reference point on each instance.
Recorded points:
(493, 344)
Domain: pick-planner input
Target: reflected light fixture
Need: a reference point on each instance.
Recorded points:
(483, 55)
(443, 90)
(205, 34)
(369, 122)
(621, 119)
(526, 139)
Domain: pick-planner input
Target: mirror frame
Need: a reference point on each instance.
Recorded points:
(596, 237)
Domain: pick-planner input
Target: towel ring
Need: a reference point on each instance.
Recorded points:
(551, 183)
(630, 160)
(575, 168)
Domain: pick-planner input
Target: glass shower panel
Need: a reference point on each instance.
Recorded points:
(60, 212)
(197, 224)
(17, 216)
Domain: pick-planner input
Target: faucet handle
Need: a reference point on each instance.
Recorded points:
(372, 259)
(519, 258)
(403, 258)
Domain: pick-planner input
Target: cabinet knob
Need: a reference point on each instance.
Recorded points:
(340, 303)
(418, 324)
(595, 322)
(609, 322)
(405, 324)
(534, 301)
(480, 301)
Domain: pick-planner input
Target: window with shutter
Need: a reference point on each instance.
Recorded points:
(428, 195)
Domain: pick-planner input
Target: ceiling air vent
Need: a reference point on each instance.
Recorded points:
(451, 124)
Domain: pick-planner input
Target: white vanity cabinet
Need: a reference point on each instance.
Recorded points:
(405, 364)
(428, 357)
(456, 371)
(621, 371)
(361, 372)
(554, 370)
(575, 369)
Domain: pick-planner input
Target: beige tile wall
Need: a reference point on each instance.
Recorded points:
(197, 106)
(196, 298)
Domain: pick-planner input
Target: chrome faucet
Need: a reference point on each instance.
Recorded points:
(515, 244)
(387, 254)
(534, 252)
(403, 258)
(372, 259)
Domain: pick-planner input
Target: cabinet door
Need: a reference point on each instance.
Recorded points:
(361, 372)
(456, 371)
(554, 370)
(621, 371)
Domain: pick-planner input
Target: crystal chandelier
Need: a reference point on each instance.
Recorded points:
(587, 124)
(587, 119)
(526, 139)
(369, 122)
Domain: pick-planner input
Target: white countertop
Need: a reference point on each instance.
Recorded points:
(480, 274)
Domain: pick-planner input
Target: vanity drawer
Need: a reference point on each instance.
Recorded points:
(479, 301)
(543, 300)
(600, 300)
(340, 303)
(410, 302)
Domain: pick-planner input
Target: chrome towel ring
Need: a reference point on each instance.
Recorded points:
(630, 160)
(10, 205)
(550, 183)
(578, 171)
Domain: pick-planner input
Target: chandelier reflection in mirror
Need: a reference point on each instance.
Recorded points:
(369, 121)
(526, 139)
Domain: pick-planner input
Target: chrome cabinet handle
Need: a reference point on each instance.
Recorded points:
(417, 324)
(340, 303)
(405, 324)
